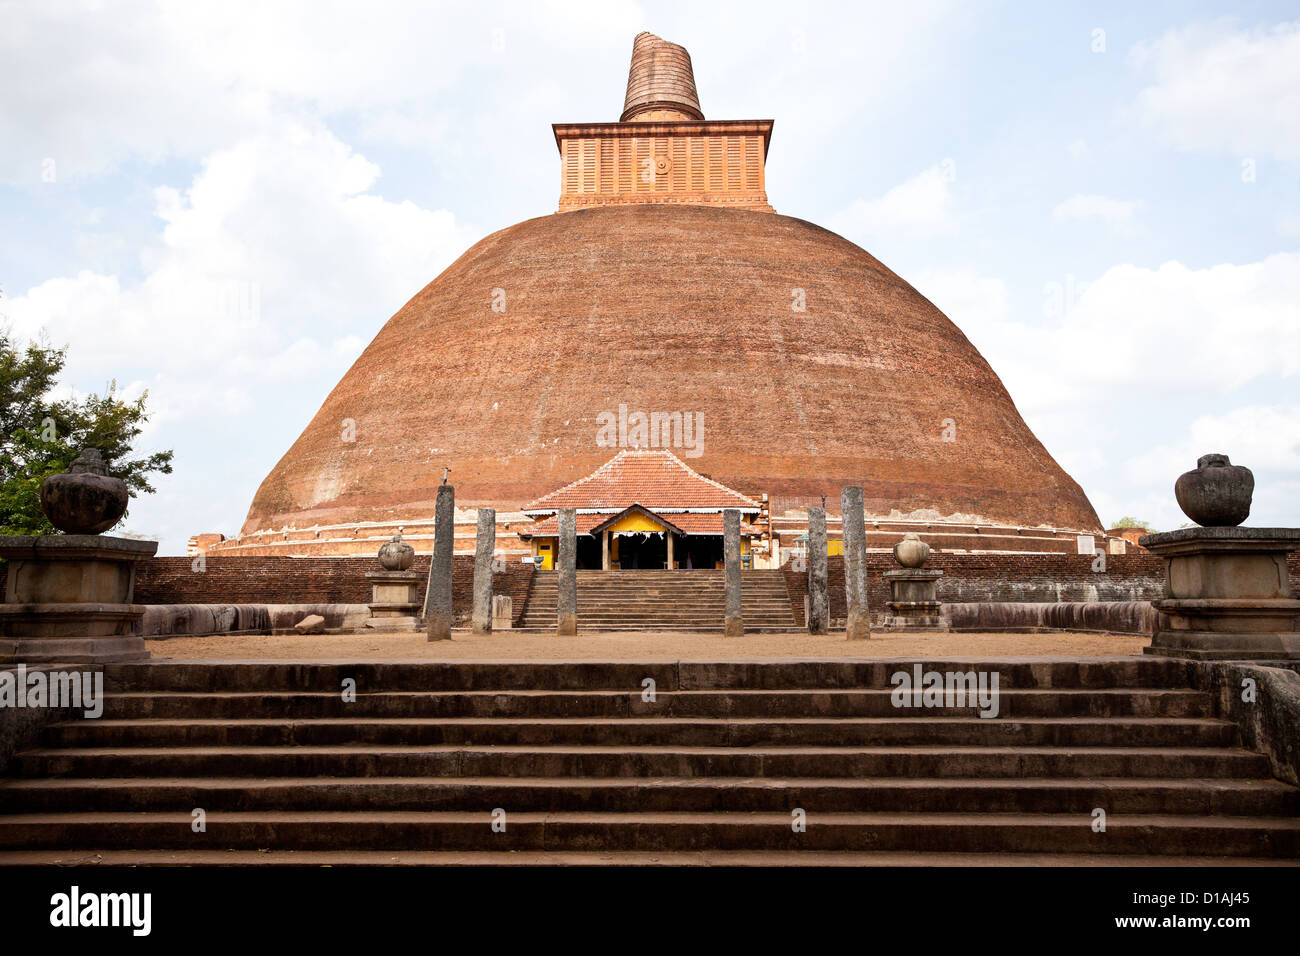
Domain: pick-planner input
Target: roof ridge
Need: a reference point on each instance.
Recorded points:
(717, 484)
(663, 454)
(550, 494)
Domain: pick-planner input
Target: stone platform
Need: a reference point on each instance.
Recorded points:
(1228, 595)
(68, 598)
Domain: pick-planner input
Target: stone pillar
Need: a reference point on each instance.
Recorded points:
(818, 599)
(668, 537)
(437, 596)
(604, 550)
(735, 623)
(485, 544)
(858, 624)
(566, 605)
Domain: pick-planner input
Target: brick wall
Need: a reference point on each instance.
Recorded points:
(286, 580)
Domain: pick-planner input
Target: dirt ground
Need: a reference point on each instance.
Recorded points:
(640, 646)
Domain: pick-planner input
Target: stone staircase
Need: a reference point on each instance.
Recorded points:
(586, 769)
(662, 601)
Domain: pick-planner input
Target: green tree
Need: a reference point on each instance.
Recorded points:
(1130, 522)
(41, 435)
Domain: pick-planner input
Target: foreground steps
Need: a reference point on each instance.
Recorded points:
(443, 830)
(589, 767)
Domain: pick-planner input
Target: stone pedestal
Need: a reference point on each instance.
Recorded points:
(1227, 594)
(913, 601)
(394, 600)
(68, 599)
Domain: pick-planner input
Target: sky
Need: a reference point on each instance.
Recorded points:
(222, 203)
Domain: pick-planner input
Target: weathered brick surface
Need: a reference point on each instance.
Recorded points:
(670, 308)
(285, 580)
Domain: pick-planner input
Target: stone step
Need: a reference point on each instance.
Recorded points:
(618, 858)
(658, 731)
(162, 675)
(541, 794)
(301, 705)
(354, 760)
(442, 830)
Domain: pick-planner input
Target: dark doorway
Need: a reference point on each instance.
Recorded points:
(588, 553)
(698, 551)
(642, 552)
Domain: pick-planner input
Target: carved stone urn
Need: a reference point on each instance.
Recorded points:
(396, 555)
(1217, 494)
(85, 499)
(911, 552)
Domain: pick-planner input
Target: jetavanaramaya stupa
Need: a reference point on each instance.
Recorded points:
(666, 284)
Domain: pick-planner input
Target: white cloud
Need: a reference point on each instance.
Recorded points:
(1160, 331)
(280, 238)
(1118, 214)
(268, 275)
(90, 85)
(1265, 437)
(1220, 88)
(1147, 370)
(919, 207)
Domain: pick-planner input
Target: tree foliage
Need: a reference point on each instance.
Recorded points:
(1130, 522)
(42, 435)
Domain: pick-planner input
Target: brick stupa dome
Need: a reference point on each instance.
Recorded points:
(674, 292)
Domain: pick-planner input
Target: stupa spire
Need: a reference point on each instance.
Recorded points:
(660, 83)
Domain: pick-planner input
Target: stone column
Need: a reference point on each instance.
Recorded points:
(858, 624)
(735, 623)
(604, 550)
(668, 537)
(485, 544)
(566, 605)
(818, 599)
(437, 596)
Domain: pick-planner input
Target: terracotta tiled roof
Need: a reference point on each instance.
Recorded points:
(688, 523)
(654, 478)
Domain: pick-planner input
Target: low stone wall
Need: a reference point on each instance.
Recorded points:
(1114, 617)
(21, 727)
(267, 581)
(1270, 723)
(1001, 579)
(190, 620)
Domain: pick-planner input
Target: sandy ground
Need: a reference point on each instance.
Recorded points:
(640, 646)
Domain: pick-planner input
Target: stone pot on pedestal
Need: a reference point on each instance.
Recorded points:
(913, 592)
(69, 597)
(1228, 592)
(1217, 493)
(394, 602)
